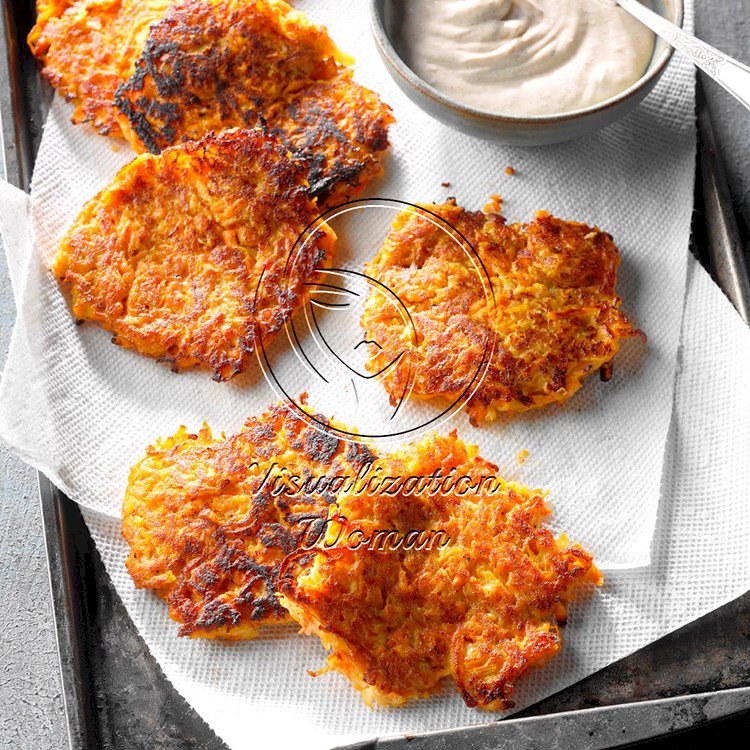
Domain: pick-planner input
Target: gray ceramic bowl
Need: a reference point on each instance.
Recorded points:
(514, 130)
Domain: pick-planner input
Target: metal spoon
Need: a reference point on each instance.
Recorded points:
(725, 70)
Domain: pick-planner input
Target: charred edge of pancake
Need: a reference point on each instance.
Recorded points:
(258, 600)
(215, 615)
(319, 124)
(142, 110)
(144, 113)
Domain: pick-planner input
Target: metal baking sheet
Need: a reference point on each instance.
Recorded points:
(116, 696)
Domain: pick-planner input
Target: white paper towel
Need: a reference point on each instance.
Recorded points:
(83, 410)
(257, 694)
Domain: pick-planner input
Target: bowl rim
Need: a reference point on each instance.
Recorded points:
(397, 63)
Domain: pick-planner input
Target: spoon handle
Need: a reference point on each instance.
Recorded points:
(725, 70)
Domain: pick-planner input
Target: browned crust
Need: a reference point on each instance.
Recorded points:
(554, 319)
(46, 11)
(233, 63)
(483, 609)
(205, 530)
(338, 130)
(158, 72)
(88, 48)
(169, 256)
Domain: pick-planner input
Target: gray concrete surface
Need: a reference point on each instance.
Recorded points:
(31, 708)
(726, 25)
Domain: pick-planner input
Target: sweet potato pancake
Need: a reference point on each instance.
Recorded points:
(554, 319)
(481, 604)
(337, 128)
(168, 257)
(206, 530)
(89, 48)
(215, 64)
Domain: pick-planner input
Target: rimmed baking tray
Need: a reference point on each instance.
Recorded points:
(116, 696)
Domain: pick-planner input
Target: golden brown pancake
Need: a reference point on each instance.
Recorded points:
(46, 11)
(89, 47)
(338, 130)
(206, 530)
(481, 604)
(169, 256)
(215, 64)
(554, 319)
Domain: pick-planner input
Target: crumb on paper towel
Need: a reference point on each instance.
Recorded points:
(510, 171)
(495, 205)
(445, 184)
(522, 456)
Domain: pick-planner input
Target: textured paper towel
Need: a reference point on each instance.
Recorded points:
(83, 410)
(257, 694)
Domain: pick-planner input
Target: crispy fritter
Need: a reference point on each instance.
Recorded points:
(337, 129)
(208, 532)
(169, 256)
(554, 319)
(482, 603)
(89, 48)
(213, 64)
(46, 11)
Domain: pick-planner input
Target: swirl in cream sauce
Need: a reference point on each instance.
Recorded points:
(525, 57)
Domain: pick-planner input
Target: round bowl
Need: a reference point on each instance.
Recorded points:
(509, 129)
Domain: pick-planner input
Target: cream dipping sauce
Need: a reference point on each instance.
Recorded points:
(525, 57)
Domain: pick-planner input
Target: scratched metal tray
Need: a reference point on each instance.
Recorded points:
(686, 690)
